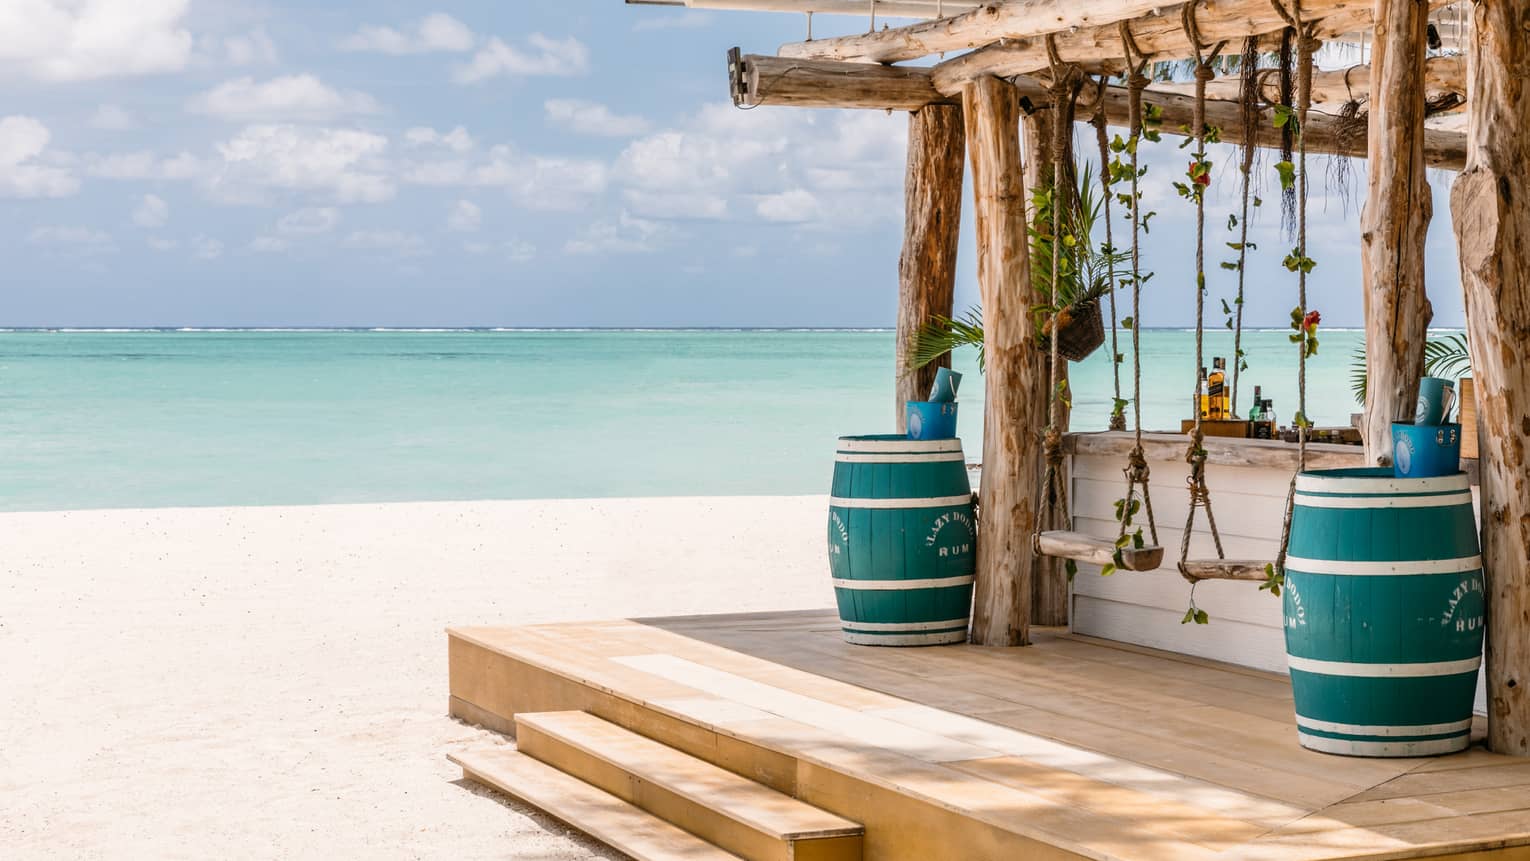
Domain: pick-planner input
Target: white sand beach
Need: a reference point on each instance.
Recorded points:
(271, 682)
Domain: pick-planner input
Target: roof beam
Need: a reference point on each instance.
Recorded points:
(764, 80)
(981, 26)
(1162, 37)
(1442, 76)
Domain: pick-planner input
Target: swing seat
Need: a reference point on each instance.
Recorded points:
(1196, 570)
(1079, 547)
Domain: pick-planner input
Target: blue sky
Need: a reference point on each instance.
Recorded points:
(189, 162)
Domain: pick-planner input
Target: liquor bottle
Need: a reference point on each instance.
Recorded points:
(1198, 403)
(1216, 391)
(1267, 419)
(1255, 411)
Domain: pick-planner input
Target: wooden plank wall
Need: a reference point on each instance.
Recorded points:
(1145, 608)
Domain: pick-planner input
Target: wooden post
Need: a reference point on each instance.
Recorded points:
(1395, 223)
(932, 212)
(1014, 413)
(1049, 578)
(1490, 205)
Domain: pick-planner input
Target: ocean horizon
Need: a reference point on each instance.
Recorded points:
(148, 417)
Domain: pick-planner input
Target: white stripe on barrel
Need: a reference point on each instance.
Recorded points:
(906, 502)
(902, 457)
(1427, 747)
(1383, 569)
(1436, 501)
(1419, 670)
(905, 626)
(939, 638)
(898, 585)
(887, 446)
(1379, 486)
(1362, 729)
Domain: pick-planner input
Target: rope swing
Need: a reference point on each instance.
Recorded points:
(1128, 552)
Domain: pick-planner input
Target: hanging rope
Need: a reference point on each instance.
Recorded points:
(1249, 107)
(1304, 52)
(1137, 471)
(1066, 79)
(1200, 495)
(1117, 417)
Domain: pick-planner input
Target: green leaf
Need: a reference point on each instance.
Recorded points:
(1071, 568)
(1201, 617)
(1232, 223)
(1107, 569)
(1231, 266)
(1287, 173)
(1189, 617)
(1127, 323)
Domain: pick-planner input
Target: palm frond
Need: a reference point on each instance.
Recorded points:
(1447, 357)
(944, 334)
(1357, 374)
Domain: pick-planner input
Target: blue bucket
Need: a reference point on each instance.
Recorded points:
(931, 420)
(1425, 451)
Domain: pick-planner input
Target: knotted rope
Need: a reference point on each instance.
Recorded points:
(1137, 471)
(1117, 418)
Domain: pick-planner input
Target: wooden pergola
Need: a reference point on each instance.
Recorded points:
(994, 58)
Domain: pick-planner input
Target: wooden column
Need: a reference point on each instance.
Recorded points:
(1395, 223)
(932, 212)
(1490, 206)
(1049, 578)
(1013, 416)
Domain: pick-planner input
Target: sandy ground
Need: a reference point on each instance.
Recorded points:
(271, 682)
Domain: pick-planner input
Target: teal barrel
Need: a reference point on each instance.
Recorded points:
(902, 539)
(1383, 612)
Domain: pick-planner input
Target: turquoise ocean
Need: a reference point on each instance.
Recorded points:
(112, 419)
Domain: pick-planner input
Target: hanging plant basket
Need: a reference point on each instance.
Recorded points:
(1080, 330)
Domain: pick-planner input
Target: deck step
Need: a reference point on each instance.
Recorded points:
(599, 814)
(733, 812)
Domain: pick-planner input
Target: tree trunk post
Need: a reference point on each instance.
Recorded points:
(1490, 206)
(1049, 577)
(1014, 412)
(1395, 223)
(932, 211)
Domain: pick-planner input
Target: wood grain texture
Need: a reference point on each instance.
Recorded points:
(973, 29)
(767, 80)
(1013, 381)
(1490, 205)
(1394, 224)
(1333, 87)
(932, 213)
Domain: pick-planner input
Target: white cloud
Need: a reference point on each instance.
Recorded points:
(22, 141)
(534, 181)
(161, 244)
(346, 164)
(396, 242)
(206, 248)
(626, 235)
(151, 212)
(514, 250)
(268, 245)
(76, 40)
(465, 216)
(112, 118)
(254, 48)
(309, 221)
(795, 205)
(832, 170)
(591, 118)
(542, 55)
(143, 164)
(78, 240)
(289, 97)
(435, 32)
(456, 140)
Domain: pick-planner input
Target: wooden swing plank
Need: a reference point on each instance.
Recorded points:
(1094, 550)
(1224, 569)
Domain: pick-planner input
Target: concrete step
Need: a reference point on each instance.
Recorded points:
(733, 812)
(599, 814)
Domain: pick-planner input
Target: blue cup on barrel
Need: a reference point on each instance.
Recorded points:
(1436, 398)
(931, 420)
(946, 383)
(1425, 451)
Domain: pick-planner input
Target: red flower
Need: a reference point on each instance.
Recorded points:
(1311, 320)
(1203, 177)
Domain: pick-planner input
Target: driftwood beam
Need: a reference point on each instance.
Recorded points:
(1492, 224)
(1442, 76)
(974, 29)
(834, 84)
(1394, 225)
(1001, 607)
(932, 212)
(1161, 36)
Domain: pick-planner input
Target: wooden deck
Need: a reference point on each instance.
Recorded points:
(1073, 748)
